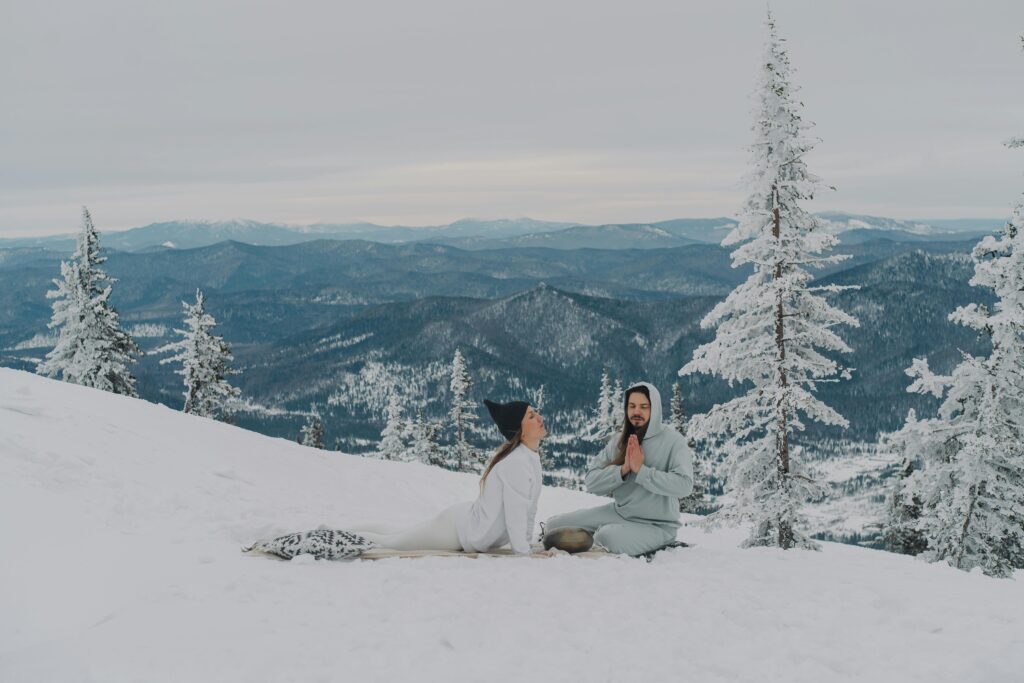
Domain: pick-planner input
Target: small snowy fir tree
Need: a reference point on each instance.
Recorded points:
(312, 433)
(204, 359)
(424, 447)
(772, 329)
(618, 415)
(537, 399)
(91, 347)
(600, 427)
(678, 411)
(463, 414)
(903, 511)
(971, 485)
(392, 444)
(694, 502)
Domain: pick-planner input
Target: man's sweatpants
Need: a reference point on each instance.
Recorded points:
(613, 531)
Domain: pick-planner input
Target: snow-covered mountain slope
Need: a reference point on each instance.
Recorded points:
(839, 222)
(121, 524)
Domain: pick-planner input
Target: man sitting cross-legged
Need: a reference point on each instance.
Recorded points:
(647, 469)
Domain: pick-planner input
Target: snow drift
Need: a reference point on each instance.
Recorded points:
(122, 520)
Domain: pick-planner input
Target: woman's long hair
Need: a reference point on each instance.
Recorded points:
(627, 427)
(501, 453)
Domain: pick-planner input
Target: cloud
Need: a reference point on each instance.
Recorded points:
(423, 112)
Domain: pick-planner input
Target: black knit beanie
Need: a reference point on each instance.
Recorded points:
(508, 416)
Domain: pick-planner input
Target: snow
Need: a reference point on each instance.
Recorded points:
(39, 341)
(122, 522)
(148, 330)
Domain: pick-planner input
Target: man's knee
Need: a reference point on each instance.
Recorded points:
(611, 536)
(568, 519)
(589, 519)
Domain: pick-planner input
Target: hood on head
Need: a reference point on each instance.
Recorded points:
(654, 426)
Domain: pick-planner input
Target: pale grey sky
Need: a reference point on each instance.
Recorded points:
(425, 112)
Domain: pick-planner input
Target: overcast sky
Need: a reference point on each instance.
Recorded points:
(419, 113)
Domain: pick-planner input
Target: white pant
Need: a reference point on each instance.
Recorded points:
(439, 533)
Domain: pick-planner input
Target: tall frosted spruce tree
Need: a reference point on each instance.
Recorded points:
(967, 491)
(774, 329)
(970, 486)
(91, 347)
(463, 415)
(204, 359)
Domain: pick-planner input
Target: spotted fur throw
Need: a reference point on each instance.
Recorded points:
(323, 544)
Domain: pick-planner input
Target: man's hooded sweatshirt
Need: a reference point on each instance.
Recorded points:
(652, 495)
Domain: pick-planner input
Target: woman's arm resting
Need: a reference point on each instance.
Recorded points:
(515, 494)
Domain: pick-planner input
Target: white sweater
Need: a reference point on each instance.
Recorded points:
(507, 507)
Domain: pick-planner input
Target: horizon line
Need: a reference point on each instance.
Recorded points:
(297, 225)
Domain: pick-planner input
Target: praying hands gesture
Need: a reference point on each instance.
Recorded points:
(634, 456)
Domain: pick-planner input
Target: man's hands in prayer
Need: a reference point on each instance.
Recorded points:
(634, 456)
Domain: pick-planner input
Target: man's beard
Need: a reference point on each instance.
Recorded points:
(640, 431)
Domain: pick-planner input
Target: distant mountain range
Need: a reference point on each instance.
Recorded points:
(321, 321)
(356, 274)
(477, 234)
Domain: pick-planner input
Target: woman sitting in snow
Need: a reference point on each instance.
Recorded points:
(503, 513)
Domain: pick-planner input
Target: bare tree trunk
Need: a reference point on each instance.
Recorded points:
(782, 431)
(966, 526)
(190, 398)
(461, 444)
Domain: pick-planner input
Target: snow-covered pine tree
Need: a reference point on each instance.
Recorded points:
(204, 359)
(972, 483)
(678, 410)
(694, 502)
(392, 444)
(537, 400)
(313, 431)
(537, 397)
(772, 329)
(424, 447)
(903, 511)
(600, 427)
(91, 347)
(618, 414)
(463, 414)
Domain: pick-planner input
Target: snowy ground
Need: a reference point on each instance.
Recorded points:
(122, 522)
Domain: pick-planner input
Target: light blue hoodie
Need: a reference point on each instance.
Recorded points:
(652, 495)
